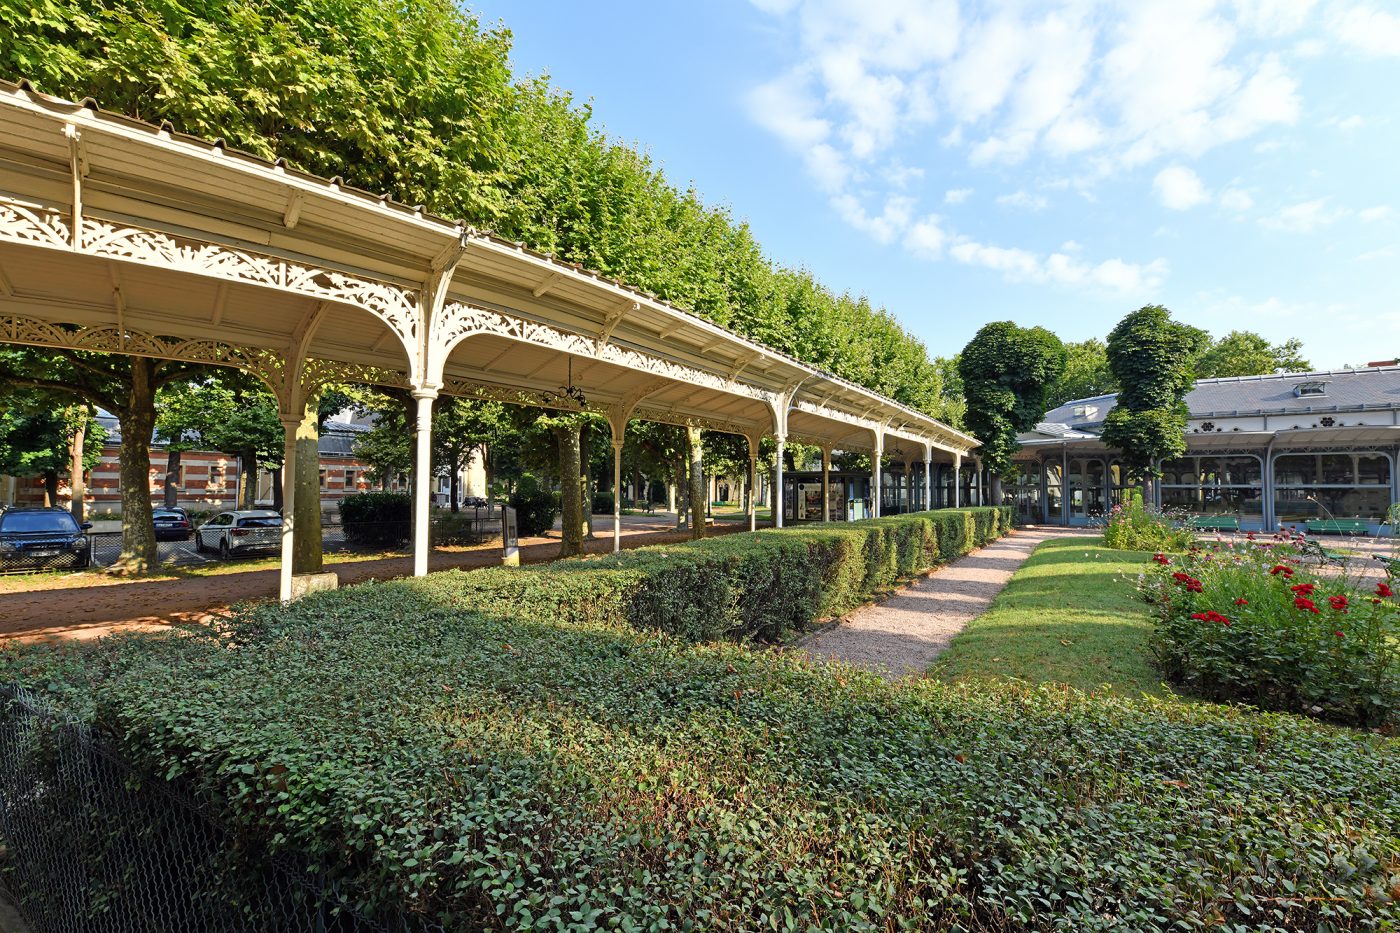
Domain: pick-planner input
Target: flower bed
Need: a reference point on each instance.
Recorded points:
(1251, 623)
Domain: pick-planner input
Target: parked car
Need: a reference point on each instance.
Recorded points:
(172, 524)
(475, 502)
(42, 539)
(236, 533)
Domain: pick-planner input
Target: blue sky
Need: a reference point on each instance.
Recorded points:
(1053, 162)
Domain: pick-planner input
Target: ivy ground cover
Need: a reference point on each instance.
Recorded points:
(498, 772)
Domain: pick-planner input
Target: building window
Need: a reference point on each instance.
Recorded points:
(350, 481)
(216, 479)
(1310, 390)
(1026, 490)
(322, 478)
(1215, 486)
(1322, 486)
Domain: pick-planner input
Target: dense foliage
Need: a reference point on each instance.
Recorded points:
(1135, 526)
(415, 98)
(376, 519)
(1151, 356)
(1245, 353)
(1086, 374)
(1251, 623)
(535, 507)
(529, 773)
(1006, 372)
(763, 586)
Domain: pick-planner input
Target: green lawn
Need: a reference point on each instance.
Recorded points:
(1069, 616)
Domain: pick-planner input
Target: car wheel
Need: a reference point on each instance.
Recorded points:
(198, 543)
(224, 549)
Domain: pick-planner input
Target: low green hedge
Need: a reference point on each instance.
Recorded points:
(760, 586)
(515, 773)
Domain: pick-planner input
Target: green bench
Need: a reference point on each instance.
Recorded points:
(1338, 526)
(1391, 564)
(1323, 555)
(1215, 523)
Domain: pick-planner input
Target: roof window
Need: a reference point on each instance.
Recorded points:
(1310, 390)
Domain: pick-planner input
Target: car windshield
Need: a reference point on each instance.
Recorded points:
(168, 513)
(273, 522)
(22, 522)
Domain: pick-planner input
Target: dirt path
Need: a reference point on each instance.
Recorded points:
(110, 605)
(903, 634)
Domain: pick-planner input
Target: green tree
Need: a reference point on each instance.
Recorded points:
(47, 434)
(125, 386)
(1152, 357)
(1086, 374)
(462, 428)
(1245, 353)
(1006, 372)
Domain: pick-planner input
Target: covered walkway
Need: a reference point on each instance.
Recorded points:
(122, 237)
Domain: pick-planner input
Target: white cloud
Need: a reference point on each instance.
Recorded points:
(1024, 200)
(1179, 188)
(926, 238)
(892, 221)
(1353, 122)
(1274, 17)
(1236, 199)
(1385, 252)
(1368, 29)
(1304, 217)
(1374, 214)
(957, 195)
(1062, 268)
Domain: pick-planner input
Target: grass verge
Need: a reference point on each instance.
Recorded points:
(1067, 617)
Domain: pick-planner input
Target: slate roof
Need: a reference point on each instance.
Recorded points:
(1346, 390)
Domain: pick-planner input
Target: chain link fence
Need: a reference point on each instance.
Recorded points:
(92, 845)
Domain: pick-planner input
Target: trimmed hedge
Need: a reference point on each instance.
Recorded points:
(376, 519)
(508, 773)
(761, 586)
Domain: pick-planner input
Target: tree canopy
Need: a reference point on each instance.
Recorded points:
(416, 99)
(1006, 372)
(1152, 357)
(1245, 353)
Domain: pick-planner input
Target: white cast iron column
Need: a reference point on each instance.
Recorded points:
(290, 424)
(826, 484)
(875, 468)
(422, 478)
(753, 482)
(782, 496)
(928, 481)
(617, 491)
(957, 481)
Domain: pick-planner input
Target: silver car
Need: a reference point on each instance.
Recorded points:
(237, 533)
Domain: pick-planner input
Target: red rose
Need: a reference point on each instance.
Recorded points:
(1161, 559)
(1303, 589)
(1302, 602)
(1241, 602)
(1383, 590)
(1338, 603)
(1339, 633)
(1281, 569)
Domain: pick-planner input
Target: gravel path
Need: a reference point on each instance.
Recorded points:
(902, 635)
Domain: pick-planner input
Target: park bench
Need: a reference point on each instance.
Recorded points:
(1323, 555)
(1338, 526)
(1391, 564)
(1215, 523)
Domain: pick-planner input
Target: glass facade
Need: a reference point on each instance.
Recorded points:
(1325, 485)
(1025, 491)
(1232, 485)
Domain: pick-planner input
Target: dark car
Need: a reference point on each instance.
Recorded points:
(172, 524)
(42, 539)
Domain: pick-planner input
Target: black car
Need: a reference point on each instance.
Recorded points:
(172, 524)
(42, 539)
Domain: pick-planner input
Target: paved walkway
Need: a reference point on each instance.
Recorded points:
(903, 634)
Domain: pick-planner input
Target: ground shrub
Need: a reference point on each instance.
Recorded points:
(536, 508)
(376, 519)
(528, 774)
(1134, 526)
(1251, 623)
(602, 503)
(761, 586)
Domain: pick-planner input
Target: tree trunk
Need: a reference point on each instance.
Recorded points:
(76, 483)
(306, 506)
(585, 480)
(680, 491)
(775, 496)
(571, 499)
(137, 420)
(996, 489)
(172, 478)
(276, 480)
(695, 445)
(248, 479)
(51, 488)
(454, 479)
